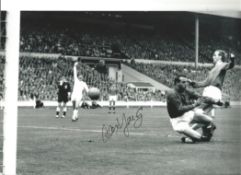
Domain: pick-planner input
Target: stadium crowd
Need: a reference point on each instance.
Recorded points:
(97, 42)
(165, 73)
(39, 76)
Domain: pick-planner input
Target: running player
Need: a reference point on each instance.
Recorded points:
(214, 81)
(64, 92)
(112, 97)
(79, 88)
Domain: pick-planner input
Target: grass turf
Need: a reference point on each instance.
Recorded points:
(50, 146)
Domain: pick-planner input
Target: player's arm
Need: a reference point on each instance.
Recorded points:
(200, 84)
(180, 108)
(185, 108)
(209, 100)
(75, 70)
(86, 88)
(230, 65)
(195, 84)
(193, 94)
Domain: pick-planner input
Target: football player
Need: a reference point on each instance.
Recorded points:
(214, 82)
(64, 91)
(180, 106)
(112, 97)
(78, 89)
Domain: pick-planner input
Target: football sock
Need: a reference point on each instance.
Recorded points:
(75, 114)
(213, 113)
(64, 111)
(57, 111)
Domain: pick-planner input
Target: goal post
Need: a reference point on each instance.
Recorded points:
(11, 92)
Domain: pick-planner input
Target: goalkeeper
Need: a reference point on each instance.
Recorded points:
(181, 103)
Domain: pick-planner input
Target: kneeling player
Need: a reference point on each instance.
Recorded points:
(182, 116)
(79, 88)
(63, 96)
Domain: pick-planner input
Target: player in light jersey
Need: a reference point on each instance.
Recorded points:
(214, 81)
(112, 97)
(78, 89)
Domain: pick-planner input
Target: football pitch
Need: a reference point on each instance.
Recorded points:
(132, 141)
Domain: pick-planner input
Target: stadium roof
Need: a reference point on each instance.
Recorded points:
(231, 14)
(117, 5)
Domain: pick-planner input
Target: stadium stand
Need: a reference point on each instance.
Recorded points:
(113, 39)
(109, 35)
(166, 73)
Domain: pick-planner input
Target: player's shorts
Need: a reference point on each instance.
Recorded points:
(179, 124)
(112, 97)
(212, 92)
(76, 97)
(63, 98)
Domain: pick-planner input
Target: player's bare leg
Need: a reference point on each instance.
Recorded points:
(192, 135)
(58, 110)
(203, 121)
(213, 113)
(110, 106)
(64, 110)
(207, 122)
(75, 111)
(113, 107)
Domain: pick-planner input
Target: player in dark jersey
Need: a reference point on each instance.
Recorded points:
(64, 91)
(112, 97)
(214, 82)
(180, 106)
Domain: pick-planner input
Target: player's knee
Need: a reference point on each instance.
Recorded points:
(198, 111)
(180, 128)
(65, 109)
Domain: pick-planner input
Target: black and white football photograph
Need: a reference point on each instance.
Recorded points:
(120, 92)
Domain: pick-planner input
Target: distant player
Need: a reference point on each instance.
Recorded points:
(64, 92)
(214, 82)
(78, 89)
(126, 97)
(180, 106)
(112, 97)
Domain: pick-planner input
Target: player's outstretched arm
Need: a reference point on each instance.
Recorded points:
(200, 84)
(75, 70)
(230, 65)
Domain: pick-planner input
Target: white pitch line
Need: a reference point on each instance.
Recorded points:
(86, 130)
(60, 128)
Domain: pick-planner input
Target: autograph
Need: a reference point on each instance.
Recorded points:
(124, 122)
